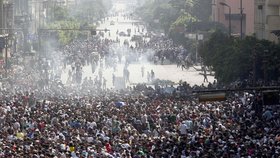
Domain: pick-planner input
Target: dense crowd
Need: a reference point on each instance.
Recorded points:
(139, 122)
(101, 53)
(40, 117)
(166, 49)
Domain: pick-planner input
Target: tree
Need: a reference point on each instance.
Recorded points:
(179, 4)
(205, 26)
(65, 36)
(82, 15)
(159, 15)
(234, 59)
(202, 9)
(59, 13)
(176, 17)
(166, 15)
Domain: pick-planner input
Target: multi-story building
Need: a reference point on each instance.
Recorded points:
(7, 16)
(221, 14)
(267, 19)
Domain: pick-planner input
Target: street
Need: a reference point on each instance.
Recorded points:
(167, 71)
(139, 79)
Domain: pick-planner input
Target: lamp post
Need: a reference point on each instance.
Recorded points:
(241, 19)
(7, 45)
(265, 65)
(229, 16)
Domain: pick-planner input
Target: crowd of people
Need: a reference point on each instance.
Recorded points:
(42, 118)
(102, 53)
(166, 49)
(138, 122)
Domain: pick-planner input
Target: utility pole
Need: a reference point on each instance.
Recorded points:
(241, 19)
(265, 64)
(1, 23)
(254, 66)
(2, 15)
(6, 56)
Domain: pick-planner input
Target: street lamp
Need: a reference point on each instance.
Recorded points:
(229, 17)
(7, 45)
(241, 20)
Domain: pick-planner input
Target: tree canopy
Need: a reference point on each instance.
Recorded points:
(234, 59)
(83, 15)
(170, 13)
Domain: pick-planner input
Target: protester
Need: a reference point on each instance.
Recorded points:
(42, 117)
(133, 124)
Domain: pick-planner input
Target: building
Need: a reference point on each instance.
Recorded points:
(221, 14)
(7, 16)
(267, 19)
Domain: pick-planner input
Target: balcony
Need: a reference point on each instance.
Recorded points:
(273, 22)
(273, 3)
(272, 27)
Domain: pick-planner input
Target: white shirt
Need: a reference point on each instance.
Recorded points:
(89, 139)
(11, 138)
(91, 125)
(183, 129)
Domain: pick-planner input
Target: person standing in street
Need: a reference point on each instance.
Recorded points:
(142, 70)
(204, 74)
(104, 83)
(152, 75)
(113, 79)
(148, 76)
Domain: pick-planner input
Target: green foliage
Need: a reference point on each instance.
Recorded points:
(202, 9)
(176, 17)
(180, 4)
(182, 20)
(59, 13)
(233, 59)
(166, 15)
(81, 16)
(196, 11)
(205, 26)
(159, 15)
(64, 37)
(169, 15)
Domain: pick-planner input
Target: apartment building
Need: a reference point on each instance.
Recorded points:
(221, 13)
(267, 19)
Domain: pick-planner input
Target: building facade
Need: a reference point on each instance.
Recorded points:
(267, 19)
(220, 13)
